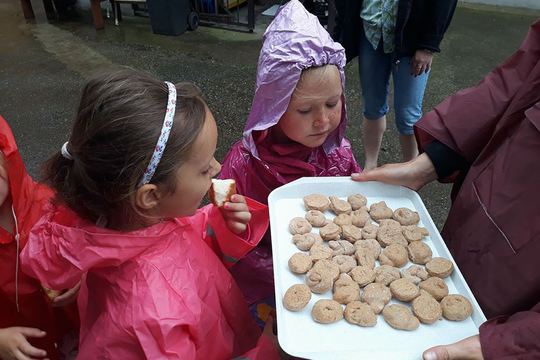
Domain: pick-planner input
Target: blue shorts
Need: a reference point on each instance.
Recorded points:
(375, 69)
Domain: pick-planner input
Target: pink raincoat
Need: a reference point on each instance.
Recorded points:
(294, 41)
(493, 228)
(161, 292)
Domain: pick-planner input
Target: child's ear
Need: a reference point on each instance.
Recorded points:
(147, 197)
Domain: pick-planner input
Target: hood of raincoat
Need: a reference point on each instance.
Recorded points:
(294, 41)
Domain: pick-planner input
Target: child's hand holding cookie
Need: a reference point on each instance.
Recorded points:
(236, 214)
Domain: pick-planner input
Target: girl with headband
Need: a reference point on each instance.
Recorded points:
(129, 182)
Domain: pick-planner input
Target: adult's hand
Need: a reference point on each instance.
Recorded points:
(466, 349)
(15, 346)
(421, 62)
(412, 174)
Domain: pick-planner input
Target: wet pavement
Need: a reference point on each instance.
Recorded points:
(43, 67)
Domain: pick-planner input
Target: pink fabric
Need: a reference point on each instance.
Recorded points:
(493, 228)
(157, 293)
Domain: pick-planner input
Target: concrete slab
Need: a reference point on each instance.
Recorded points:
(43, 67)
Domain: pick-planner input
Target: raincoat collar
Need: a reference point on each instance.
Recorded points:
(294, 41)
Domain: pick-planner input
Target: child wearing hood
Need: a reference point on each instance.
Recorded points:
(296, 127)
(32, 325)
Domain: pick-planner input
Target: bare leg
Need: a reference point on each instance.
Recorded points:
(372, 134)
(409, 148)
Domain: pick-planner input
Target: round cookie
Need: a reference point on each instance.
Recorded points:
(359, 313)
(345, 262)
(351, 233)
(339, 206)
(370, 231)
(304, 242)
(316, 202)
(346, 293)
(342, 247)
(439, 267)
(328, 267)
(316, 218)
(363, 275)
(330, 231)
(415, 273)
(357, 201)
(379, 211)
(327, 311)
(360, 218)
(435, 286)
(404, 290)
(400, 317)
(320, 251)
(371, 245)
(300, 263)
(406, 216)
(394, 255)
(296, 297)
(419, 252)
(377, 296)
(456, 307)
(364, 257)
(426, 309)
(388, 235)
(343, 219)
(299, 225)
(385, 274)
(318, 281)
(414, 233)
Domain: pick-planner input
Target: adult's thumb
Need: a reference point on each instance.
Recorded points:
(436, 353)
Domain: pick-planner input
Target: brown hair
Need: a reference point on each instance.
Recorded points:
(114, 135)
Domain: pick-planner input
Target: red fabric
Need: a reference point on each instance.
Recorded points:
(35, 308)
(161, 292)
(493, 228)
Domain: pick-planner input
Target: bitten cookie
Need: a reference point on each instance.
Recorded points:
(221, 191)
(456, 307)
(400, 317)
(327, 311)
(359, 313)
(296, 297)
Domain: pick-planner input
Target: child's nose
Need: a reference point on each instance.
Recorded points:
(322, 119)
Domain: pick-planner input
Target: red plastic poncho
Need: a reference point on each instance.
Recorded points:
(493, 228)
(294, 41)
(29, 306)
(161, 292)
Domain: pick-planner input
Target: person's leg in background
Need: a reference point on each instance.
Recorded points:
(375, 69)
(408, 97)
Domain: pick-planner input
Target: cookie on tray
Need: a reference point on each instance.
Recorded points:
(351, 233)
(440, 267)
(380, 210)
(345, 262)
(370, 231)
(296, 297)
(339, 206)
(363, 275)
(414, 233)
(404, 290)
(328, 267)
(435, 286)
(394, 255)
(400, 317)
(300, 263)
(377, 296)
(389, 234)
(406, 216)
(342, 219)
(456, 307)
(371, 245)
(357, 201)
(360, 218)
(415, 273)
(419, 252)
(346, 293)
(359, 313)
(316, 202)
(330, 231)
(299, 225)
(304, 242)
(319, 281)
(385, 274)
(316, 218)
(341, 247)
(426, 309)
(364, 257)
(320, 251)
(327, 311)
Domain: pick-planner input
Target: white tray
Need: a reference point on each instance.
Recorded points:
(300, 336)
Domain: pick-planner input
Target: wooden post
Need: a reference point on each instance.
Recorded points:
(27, 10)
(97, 15)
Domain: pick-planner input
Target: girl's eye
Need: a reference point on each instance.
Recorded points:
(304, 111)
(332, 105)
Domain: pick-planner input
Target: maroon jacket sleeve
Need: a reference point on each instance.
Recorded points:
(466, 121)
(512, 337)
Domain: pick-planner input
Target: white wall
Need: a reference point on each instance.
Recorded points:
(528, 4)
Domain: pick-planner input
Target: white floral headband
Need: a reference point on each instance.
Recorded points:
(162, 140)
